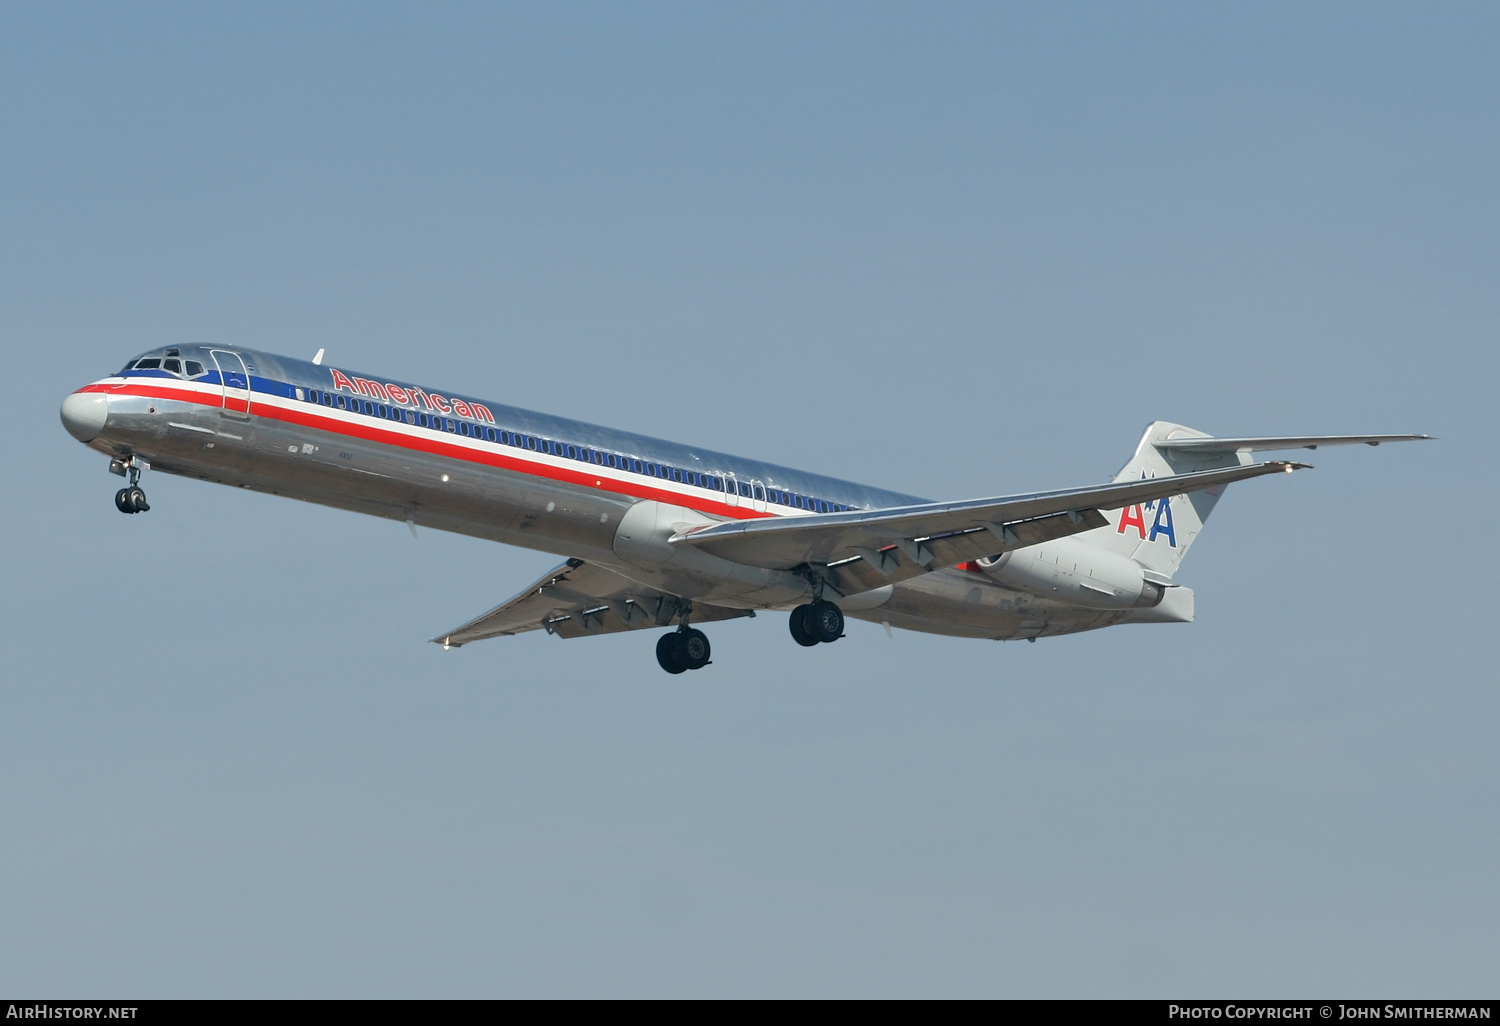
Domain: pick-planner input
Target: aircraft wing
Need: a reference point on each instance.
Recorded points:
(1217, 445)
(579, 599)
(865, 549)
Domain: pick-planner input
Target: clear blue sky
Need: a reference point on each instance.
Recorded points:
(951, 250)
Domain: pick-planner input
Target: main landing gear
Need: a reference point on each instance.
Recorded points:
(686, 648)
(129, 499)
(817, 621)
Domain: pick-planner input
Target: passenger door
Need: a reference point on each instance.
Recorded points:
(234, 377)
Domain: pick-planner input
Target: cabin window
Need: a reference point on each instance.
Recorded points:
(572, 452)
(451, 426)
(651, 469)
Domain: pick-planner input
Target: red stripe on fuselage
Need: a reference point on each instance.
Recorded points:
(433, 446)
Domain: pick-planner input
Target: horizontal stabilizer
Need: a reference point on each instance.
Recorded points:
(1208, 445)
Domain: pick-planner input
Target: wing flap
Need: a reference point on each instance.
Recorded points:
(578, 600)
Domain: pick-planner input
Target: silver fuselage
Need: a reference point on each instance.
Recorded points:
(391, 449)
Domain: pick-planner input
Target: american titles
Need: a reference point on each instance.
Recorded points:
(403, 396)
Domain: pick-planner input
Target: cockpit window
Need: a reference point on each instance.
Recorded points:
(149, 363)
(194, 368)
(175, 366)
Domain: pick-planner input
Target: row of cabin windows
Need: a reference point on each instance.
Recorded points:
(583, 454)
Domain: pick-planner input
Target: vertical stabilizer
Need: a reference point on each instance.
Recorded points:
(1157, 534)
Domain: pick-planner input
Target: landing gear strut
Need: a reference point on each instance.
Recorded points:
(815, 622)
(686, 648)
(130, 499)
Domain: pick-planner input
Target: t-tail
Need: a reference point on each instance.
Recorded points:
(1157, 534)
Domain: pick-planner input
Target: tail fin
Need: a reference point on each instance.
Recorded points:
(1157, 535)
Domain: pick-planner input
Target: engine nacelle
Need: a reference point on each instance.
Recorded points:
(1072, 571)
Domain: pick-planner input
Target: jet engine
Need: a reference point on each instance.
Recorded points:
(1071, 570)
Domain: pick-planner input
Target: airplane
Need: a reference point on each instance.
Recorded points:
(663, 535)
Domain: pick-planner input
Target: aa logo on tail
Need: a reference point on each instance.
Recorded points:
(1135, 516)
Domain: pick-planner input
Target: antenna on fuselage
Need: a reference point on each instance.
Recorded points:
(318, 360)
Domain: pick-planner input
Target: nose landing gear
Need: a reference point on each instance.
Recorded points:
(130, 499)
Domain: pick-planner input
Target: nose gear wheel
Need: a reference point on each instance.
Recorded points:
(131, 500)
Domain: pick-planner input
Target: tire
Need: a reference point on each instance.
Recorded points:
(669, 653)
(138, 501)
(693, 646)
(801, 634)
(825, 621)
(122, 501)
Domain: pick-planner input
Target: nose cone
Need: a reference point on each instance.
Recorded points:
(84, 413)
